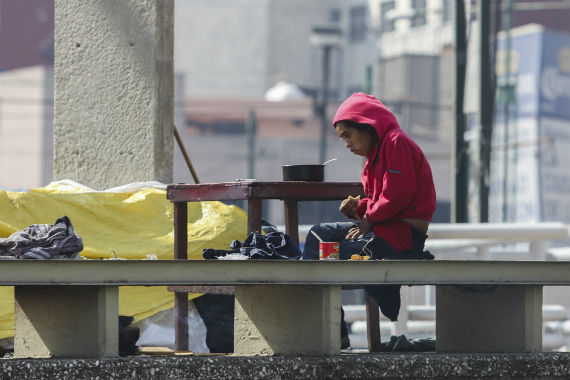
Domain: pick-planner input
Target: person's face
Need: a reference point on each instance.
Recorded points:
(358, 142)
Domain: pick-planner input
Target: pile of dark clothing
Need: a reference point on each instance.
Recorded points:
(43, 242)
(273, 245)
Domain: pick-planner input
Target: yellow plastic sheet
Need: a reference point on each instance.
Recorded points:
(129, 225)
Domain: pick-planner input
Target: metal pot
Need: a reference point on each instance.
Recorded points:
(313, 173)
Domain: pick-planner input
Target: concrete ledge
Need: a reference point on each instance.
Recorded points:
(346, 366)
(282, 272)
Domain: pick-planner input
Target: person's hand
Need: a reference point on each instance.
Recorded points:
(349, 206)
(361, 229)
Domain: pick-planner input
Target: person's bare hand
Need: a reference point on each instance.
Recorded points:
(349, 206)
(360, 230)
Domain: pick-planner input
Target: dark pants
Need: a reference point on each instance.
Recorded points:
(217, 312)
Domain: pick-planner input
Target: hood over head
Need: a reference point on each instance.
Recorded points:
(366, 109)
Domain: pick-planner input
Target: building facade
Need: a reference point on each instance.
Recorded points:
(26, 127)
(241, 48)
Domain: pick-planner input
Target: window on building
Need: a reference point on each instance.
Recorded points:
(334, 15)
(386, 25)
(446, 11)
(357, 23)
(419, 18)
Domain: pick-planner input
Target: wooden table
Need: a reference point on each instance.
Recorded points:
(291, 192)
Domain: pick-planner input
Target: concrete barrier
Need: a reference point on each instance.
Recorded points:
(506, 294)
(421, 324)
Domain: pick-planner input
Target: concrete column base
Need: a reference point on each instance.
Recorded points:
(66, 321)
(287, 320)
(489, 318)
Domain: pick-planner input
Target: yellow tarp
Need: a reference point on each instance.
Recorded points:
(128, 225)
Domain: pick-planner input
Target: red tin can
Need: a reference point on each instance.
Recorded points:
(328, 250)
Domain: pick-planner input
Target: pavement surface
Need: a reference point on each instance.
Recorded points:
(346, 366)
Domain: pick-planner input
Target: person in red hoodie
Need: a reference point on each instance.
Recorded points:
(392, 220)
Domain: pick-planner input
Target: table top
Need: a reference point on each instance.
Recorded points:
(295, 190)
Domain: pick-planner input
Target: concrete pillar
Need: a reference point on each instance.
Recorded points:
(488, 318)
(287, 320)
(66, 321)
(113, 91)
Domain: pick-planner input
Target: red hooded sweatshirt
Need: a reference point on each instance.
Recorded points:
(396, 177)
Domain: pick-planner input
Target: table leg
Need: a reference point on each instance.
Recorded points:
(292, 219)
(254, 215)
(372, 324)
(180, 230)
(181, 253)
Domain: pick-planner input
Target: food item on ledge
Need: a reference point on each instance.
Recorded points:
(358, 257)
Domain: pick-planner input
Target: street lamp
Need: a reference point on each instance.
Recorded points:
(326, 37)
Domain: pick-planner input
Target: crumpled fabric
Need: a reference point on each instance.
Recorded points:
(43, 242)
(273, 245)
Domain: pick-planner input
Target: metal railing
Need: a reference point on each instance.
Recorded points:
(453, 237)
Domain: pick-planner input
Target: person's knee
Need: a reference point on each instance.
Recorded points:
(311, 247)
(316, 228)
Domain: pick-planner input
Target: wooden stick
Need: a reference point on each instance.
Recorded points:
(186, 157)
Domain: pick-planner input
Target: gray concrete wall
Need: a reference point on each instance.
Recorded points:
(113, 91)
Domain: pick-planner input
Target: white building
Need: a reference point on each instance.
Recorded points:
(26, 127)
(414, 74)
(413, 26)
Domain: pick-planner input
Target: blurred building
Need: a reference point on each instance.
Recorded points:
(414, 76)
(241, 48)
(26, 33)
(530, 175)
(26, 92)
(413, 26)
(425, 26)
(414, 73)
(26, 127)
